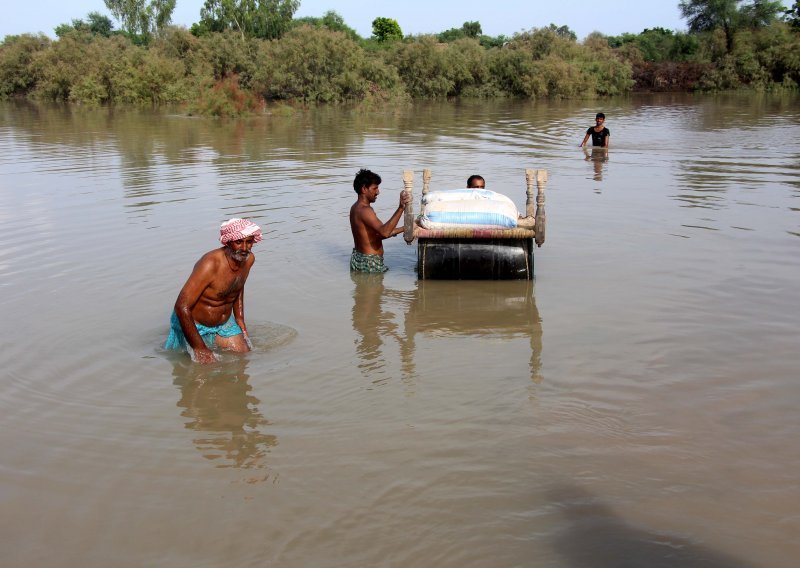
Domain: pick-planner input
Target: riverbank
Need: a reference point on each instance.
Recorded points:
(225, 74)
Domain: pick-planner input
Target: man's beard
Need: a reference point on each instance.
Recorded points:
(240, 255)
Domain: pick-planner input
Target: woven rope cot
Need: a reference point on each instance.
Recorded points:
(468, 253)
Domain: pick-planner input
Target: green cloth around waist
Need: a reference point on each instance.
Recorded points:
(360, 262)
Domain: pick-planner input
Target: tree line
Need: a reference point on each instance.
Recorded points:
(243, 54)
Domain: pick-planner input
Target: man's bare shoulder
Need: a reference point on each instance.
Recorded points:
(213, 256)
(359, 210)
(216, 257)
(210, 261)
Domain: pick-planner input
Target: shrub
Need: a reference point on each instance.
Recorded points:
(158, 80)
(60, 66)
(313, 65)
(18, 73)
(469, 68)
(511, 70)
(669, 75)
(100, 81)
(424, 68)
(226, 98)
(229, 54)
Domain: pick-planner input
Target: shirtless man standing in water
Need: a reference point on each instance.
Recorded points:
(210, 307)
(368, 230)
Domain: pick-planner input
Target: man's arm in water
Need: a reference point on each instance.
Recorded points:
(198, 281)
(238, 303)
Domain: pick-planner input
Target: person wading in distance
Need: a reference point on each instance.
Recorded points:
(601, 136)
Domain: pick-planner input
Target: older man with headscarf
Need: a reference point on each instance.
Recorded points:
(209, 310)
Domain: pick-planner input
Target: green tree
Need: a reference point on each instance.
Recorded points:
(709, 15)
(334, 22)
(564, 31)
(685, 47)
(489, 41)
(386, 29)
(100, 24)
(472, 29)
(655, 44)
(467, 29)
(141, 17)
(761, 13)
(96, 24)
(331, 20)
(267, 19)
(451, 35)
(64, 29)
(792, 15)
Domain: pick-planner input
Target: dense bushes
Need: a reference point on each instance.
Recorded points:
(757, 58)
(316, 65)
(17, 68)
(225, 98)
(425, 68)
(226, 73)
(106, 70)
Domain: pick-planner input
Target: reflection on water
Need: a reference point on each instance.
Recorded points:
(599, 159)
(495, 310)
(218, 402)
(376, 311)
(608, 540)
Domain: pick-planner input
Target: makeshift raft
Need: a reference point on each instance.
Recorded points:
(477, 253)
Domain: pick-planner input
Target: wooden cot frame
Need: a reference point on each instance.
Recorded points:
(531, 226)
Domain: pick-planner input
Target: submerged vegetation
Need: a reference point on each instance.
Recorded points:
(242, 55)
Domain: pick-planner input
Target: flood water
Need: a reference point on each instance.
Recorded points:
(635, 405)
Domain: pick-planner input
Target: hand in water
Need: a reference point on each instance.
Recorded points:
(204, 356)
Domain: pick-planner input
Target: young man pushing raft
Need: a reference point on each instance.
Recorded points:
(368, 230)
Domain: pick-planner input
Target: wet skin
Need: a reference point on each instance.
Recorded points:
(214, 290)
(368, 231)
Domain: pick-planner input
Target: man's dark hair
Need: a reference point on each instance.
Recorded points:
(474, 177)
(600, 115)
(365, 178)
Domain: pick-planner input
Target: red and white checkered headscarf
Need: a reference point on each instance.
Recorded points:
(235, 229)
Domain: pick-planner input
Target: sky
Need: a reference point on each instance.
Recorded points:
(497, 17)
